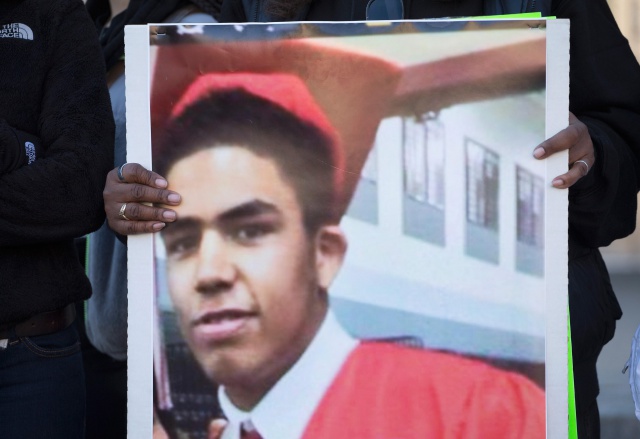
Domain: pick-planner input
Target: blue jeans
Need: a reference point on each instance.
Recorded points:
(42, 390)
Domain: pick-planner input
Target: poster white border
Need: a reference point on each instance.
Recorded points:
(140, 247)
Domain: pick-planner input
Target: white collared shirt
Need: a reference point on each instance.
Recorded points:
(285, 411)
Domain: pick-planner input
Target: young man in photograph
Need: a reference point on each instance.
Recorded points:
(250, 260)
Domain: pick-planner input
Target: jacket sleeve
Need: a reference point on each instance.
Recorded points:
(605, 95)
(59, 196)
(17, 148)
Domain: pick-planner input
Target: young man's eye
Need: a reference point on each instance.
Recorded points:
(250, 233)
(180, 247)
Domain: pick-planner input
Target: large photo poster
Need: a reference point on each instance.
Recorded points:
(366, 246)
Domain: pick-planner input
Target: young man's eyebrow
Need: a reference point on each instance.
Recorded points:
(247, 210)
(178, 226)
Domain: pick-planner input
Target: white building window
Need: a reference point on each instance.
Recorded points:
(530, 208)
(423, 146)
(483, 176)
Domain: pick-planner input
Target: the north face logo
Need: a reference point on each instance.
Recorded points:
(30, 151)
(16, 30)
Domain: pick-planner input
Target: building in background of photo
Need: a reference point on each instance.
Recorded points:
(461, 206)
(446, 226)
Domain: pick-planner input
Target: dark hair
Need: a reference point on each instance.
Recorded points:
(301, 151)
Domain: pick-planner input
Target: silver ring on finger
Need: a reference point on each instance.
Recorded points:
(120, 175)
(121, 214)
(584, 163)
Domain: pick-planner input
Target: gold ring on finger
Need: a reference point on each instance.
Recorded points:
(121, 214)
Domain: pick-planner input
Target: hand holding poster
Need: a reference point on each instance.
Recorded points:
(362, 248)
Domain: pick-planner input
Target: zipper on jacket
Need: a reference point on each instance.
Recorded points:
(256, 8)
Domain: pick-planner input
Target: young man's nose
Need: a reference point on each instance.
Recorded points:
(215, 269)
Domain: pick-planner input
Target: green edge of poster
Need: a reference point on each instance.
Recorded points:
(530, 15)
(573, 426)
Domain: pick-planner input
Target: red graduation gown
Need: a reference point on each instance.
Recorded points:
(385, 391)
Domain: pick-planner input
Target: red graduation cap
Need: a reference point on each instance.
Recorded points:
(282, 89)
(343, 92)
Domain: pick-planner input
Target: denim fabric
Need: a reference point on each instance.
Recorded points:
(42, 390)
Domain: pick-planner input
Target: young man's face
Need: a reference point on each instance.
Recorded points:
(244, 275)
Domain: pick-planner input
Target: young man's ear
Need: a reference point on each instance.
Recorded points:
(331, 246)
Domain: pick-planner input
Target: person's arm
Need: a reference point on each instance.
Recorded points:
(60, 195)
(605, 98)
(605, 95)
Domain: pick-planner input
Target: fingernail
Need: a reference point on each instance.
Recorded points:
(158, 226)
(169, 214)
(538, 152)
(161, 182)
(557, 182)
(174, 198)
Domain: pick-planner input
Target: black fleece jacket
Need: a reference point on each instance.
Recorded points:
(51, 86)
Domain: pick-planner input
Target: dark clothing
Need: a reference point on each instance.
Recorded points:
(106, 382)
(51, 87)
(333, 10)
(42, 392)
(594, 310)
(605, 95)
(324, 10)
